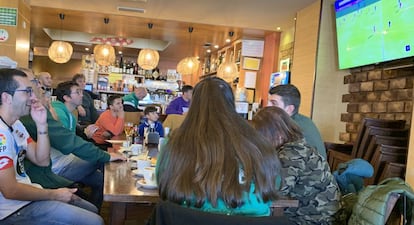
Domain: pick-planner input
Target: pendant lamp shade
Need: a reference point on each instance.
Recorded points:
(148, 58)
(227, 71)
(188, 66)
(104, 54)
(60, 51)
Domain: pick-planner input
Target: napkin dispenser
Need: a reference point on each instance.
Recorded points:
(153, 137)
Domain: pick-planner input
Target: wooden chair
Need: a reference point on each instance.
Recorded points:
(133, 117)
(372, 131)
(338, 153)
(377, 140)
(392, 169)
(393, 154)
(167, 213)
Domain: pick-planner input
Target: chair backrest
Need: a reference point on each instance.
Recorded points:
(374, 122)
(363, 137)
(380, 158)
(371, 131)
(376, 140)
(133, 117)
(173, 121)
(392, 169)
(166, 213)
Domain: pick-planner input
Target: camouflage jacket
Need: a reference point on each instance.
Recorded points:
(307, 177)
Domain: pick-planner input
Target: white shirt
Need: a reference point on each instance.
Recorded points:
(13, 145)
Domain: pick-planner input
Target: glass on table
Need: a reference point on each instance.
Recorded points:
(129, 130)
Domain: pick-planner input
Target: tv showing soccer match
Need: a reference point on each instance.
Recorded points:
(373, 31)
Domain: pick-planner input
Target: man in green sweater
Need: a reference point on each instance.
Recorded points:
(64, 141)
(287, 97)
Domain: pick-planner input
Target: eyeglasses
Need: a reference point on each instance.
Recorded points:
(35, 81)
(28, 90)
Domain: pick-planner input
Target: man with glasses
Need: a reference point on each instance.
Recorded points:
(21, 201)
(69, 96)
(80, 166)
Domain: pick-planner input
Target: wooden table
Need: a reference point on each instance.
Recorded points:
(120, 189)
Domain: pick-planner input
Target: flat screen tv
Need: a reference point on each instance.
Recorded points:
(373, 31)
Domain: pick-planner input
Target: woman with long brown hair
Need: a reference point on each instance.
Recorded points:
(305, 173)
(215, 161)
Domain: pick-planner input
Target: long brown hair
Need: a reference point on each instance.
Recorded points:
(203, 157)
(276, 126)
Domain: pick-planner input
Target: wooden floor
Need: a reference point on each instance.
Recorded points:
(136, 214)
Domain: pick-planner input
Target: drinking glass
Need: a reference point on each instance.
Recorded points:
(129, 130)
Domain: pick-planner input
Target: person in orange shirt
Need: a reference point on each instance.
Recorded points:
(111, 122)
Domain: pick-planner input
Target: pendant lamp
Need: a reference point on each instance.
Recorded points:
(190, 64)
(60, 51)
(228, 70)
(104, 53)
(148, 58)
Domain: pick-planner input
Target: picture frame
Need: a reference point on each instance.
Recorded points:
(284, 65)
(251, 63)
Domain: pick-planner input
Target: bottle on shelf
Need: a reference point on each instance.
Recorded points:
(121, 62)
(207, 66)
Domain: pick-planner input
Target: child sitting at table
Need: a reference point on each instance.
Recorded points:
(151, 121)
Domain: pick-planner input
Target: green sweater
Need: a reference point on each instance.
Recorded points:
(67, 119)
(66, 142)
(310, 133)
(131, 100)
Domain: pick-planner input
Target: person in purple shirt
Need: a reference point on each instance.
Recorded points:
(180, 105)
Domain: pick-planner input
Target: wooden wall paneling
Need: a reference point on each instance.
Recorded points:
(304, 54)
(269, 65)
(23, 34)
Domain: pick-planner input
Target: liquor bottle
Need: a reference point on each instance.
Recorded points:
(135, 68)
(207, 66)
(121, 64)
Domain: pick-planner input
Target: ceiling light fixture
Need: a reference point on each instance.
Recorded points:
(130, 9)
(148, 58)
(60, 51)
(228, 70)
(104, 53)
(228, 40)
(188, 65)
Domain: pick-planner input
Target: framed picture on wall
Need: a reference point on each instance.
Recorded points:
(251, 63)
(284, 65)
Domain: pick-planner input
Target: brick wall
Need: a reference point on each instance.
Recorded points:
(377, 93)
